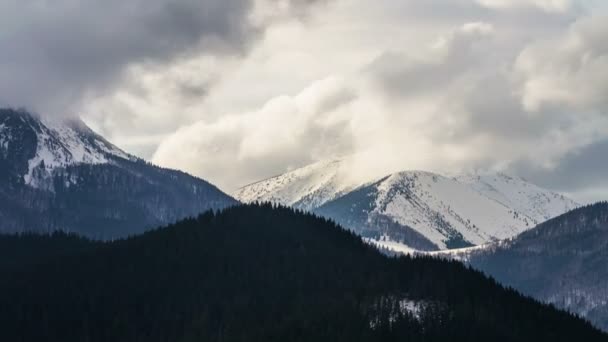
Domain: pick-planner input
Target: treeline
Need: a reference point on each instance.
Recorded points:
(258, 273)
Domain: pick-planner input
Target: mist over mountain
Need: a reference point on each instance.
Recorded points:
(60, 175)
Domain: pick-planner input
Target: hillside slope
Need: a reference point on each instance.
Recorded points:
(562, 261)
(254, 273)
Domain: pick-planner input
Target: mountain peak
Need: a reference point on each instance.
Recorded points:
(40, 144)
(306, 188)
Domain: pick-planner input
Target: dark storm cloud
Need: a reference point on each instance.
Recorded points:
(54, 53)
(585, 169)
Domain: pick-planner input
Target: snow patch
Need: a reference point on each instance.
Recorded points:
(393, 246)
(458, 254)
(4, 136)
(397, 306)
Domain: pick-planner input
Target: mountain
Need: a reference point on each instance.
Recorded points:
(562, 261)
(60, 175)
(422, 210)
(256, 273)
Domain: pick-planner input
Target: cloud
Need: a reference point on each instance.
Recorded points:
(581, 171)
(568, 71)
(153, 101)
(57, 55)
(472, 107)
(383, 113)
(546, 5)
(286, 131)
(403, 74)
(457, 102)
(339, 38)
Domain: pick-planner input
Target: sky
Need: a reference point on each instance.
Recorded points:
(235, 91)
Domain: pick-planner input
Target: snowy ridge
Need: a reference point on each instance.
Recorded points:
(84, 145)
(451, 212)
(305, 188)
(65, 143)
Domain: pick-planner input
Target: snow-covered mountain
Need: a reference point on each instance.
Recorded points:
(305, 188)
(59, 174)
(420, 209)
(59, 143)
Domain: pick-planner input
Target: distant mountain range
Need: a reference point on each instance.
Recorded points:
(423, 210)
(60, 175)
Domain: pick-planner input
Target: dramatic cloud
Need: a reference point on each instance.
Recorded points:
(389, 113)
(286, 132)
(580, 172)
(58, 54)
(477, 95)
(238, 90)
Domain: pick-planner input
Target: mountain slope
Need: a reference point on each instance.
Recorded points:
(562, 261)
(308, 280)
(521, 196)
(35, 146)
(305, 188)
(60, 175)
(420, 209)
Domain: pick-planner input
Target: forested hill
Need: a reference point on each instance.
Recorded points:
(257, 273)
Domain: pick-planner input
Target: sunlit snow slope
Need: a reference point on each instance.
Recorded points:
(305, 188)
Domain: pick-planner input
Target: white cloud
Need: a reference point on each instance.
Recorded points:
(154, 101)
(286, 131)
(546, 5)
